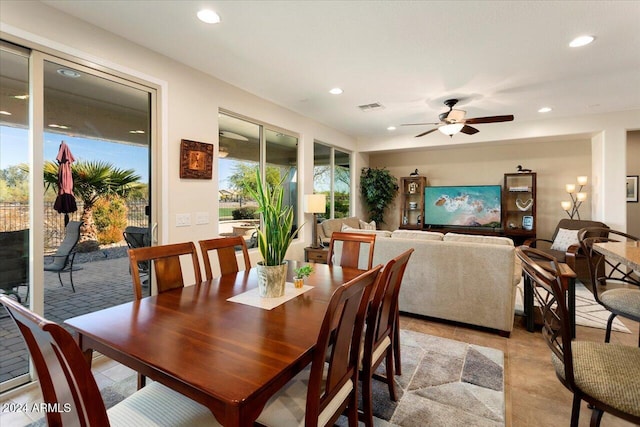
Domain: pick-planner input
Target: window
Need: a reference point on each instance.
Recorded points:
(332, 176)
(244, 146)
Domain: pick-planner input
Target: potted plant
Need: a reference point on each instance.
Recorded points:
(379, 188)
(300, 274)
(274, 237)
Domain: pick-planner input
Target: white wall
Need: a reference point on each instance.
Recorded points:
(189, 102)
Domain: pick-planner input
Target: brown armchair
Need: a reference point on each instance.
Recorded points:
(574, 256)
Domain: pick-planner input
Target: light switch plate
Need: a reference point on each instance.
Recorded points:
(183, 220)
(202, 218)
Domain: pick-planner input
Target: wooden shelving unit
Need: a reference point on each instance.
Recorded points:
(412, 202)
(519, 206)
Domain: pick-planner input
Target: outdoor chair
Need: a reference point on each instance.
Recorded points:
(138, 237)
(607, 376)
(381, 333)
(66, 253)
(14, 253)
(351, 245)
(67, 383)
(614, 286)
(225, 248)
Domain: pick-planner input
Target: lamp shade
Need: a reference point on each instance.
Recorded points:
(314, 203)
(451, 129)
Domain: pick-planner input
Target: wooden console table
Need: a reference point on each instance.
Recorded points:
(318, 255)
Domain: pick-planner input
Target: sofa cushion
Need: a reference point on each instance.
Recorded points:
(418, 235)
(331, 225)
(473, 238)
(379, 233)
(564, 239)
(367, 225)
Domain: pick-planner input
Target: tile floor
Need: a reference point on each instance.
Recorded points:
(534, 396)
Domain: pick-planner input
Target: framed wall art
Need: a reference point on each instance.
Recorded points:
(632, 188)
(196, 160)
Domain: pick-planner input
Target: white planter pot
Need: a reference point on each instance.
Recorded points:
(271, 279)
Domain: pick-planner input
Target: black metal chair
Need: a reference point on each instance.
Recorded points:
(14, 256)
(138, 237)
(66, 253)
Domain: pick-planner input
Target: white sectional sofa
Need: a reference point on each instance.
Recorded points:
(470, 279)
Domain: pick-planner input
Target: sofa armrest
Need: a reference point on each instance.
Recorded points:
(573, 251)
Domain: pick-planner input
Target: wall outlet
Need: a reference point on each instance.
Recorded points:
(202, 218)
(183, 220)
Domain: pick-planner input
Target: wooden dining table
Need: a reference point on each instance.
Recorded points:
(228, 356)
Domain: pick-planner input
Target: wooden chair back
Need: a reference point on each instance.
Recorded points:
(64, 375)
(381, 331)
(351, 245)
(347, 310)
(225, 247)
(166, 265)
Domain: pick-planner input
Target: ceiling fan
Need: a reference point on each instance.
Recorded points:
(453, 121)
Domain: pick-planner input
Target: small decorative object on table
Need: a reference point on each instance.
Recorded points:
(300, 274)
(275, 238)
(520, 169)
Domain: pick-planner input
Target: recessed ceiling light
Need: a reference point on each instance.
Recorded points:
(136, 131)
(335, 91)
(55, 125)
(544, 110)
(208, 16)
(5, 113)
(581, 41)
(23, 97)
(68, 73)
(391, 128)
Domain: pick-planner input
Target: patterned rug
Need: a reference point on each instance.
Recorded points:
(445, 383)
(588, 312)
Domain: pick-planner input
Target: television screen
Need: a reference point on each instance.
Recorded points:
(463, 206)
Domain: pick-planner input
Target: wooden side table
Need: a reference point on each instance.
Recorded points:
(318, 255)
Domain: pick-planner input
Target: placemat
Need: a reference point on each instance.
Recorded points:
(254, 299)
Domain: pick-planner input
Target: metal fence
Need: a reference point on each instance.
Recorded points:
(15, 216)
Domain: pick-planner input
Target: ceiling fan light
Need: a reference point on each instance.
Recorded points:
(451, 129)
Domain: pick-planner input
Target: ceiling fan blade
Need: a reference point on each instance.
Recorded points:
(469, 130)
(427, 132)
(490, 119)
(419, 124)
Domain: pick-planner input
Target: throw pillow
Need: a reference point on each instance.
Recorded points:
(367, 225)
(564, 239)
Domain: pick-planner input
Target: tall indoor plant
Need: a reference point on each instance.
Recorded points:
(274, 237)
(379, 188)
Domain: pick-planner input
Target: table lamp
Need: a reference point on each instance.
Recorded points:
(315, 204)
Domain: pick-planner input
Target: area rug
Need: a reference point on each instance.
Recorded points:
(445, 383)
(588, 312)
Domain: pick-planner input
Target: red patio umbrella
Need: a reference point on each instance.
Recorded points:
(65, 202)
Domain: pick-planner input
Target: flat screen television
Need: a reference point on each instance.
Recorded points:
(463, 206)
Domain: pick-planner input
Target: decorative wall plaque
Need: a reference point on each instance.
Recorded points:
(196, 159)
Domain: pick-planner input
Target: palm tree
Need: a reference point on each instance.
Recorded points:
(91, 181)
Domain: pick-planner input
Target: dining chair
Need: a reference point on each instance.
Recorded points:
(166, 265)
(614, 286)
(351, 245)
(167, 269)
(67, 383)
(62, 259)
(604, 375)
(380, 333)
(226, 250)
(319, 394)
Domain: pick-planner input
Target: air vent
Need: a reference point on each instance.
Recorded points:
(371, 107)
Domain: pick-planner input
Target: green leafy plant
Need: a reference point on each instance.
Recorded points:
(379, 188)
(247, 212)
(276, 233)
(302, 272)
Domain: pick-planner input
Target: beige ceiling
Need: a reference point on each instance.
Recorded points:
(499, 57)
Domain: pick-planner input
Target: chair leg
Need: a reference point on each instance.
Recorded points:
(73, 288)
(391, 382)
(367, 399)
(596, 417)
(142, 381)
(607, 336)
(396, 344)
(60, 279)
(352, 409)
(575, 410)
